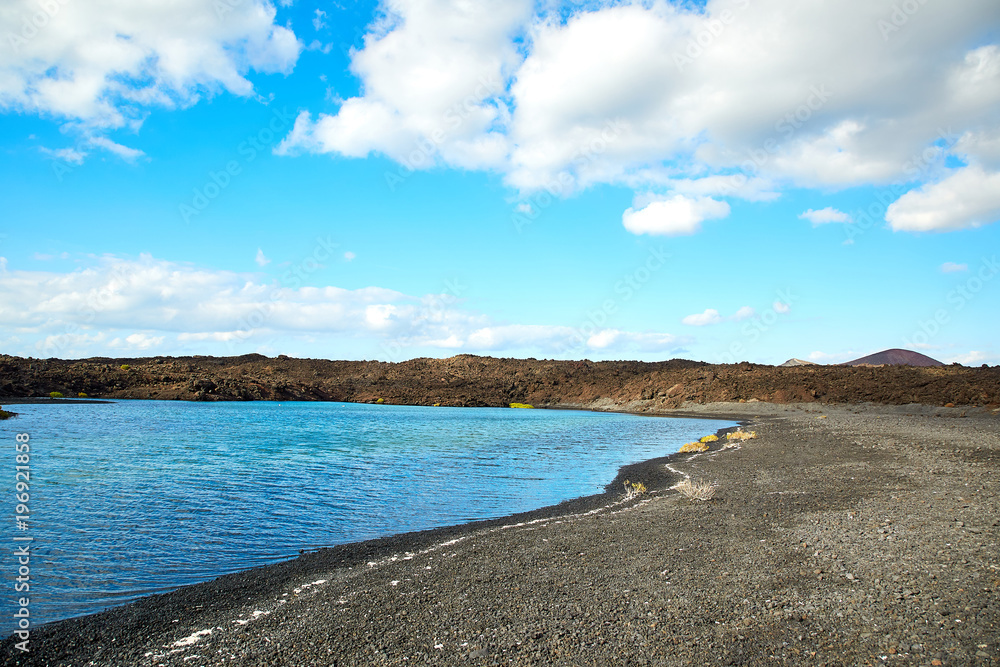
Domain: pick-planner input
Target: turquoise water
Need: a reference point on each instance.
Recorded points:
(140, 497)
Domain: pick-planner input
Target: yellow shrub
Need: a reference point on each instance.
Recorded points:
(710, 438)
(81, 395)
(741, 435)
(521, 405)
(55, 394)
(634, 489)
(693, 447)
(381, 400)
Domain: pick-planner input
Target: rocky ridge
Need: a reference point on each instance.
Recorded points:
(467, 380)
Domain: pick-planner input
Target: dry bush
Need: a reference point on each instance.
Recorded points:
(634, 489)
(693, 447)
(696, 490)
(741, 435)
(709, 438)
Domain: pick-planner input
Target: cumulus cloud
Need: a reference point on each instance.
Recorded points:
(151, 304)
(969, 197)
(261, 259)
(434, 80)
(103, 67)
(824, 215)
(703, 103)
(710, 316)
(674, 216)
(952, 267)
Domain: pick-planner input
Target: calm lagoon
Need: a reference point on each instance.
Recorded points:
(139, 497)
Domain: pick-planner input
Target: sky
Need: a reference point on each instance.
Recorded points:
(724, 181)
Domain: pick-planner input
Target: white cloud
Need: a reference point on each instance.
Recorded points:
(124, 152)
(968, 197)
(835, 358)
(433, 76)
(157, 305)
(318, 23)
(825, 215)
(973, 358)
(349, 256)
(137, 341)
(733, 99)
(952, 267)
(261, 259)
(674, 216)
(710, 316)
(70, 155)
(568, 341)
(105, 65)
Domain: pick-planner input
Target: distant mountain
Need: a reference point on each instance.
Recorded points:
(895, 357)
(797, 362)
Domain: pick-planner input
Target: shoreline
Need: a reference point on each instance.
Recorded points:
(650, 470)
(113, 636)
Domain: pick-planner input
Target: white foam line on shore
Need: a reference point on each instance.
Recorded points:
(677, 472)
(521, 524)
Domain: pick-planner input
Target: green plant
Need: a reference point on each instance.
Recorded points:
(696, 490)
(522, 405)
(125, 367)
(82, 395)
(634, 489)
(55, 394)
(6, 415)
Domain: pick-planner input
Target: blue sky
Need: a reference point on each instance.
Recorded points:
(726, 181)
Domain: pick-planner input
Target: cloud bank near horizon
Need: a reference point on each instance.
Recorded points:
(126, 306)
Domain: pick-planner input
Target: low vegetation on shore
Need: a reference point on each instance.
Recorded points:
(695, 490)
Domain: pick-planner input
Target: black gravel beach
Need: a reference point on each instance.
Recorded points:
(846, 535)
